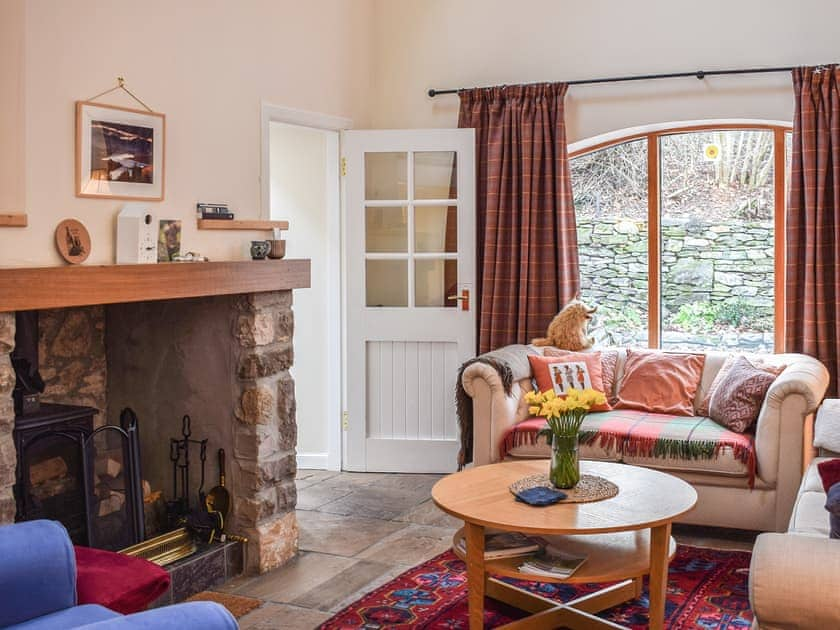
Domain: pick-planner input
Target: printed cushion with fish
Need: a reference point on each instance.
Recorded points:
(580, 370)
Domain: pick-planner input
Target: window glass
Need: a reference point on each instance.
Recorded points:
(717, 208)
(611, 205)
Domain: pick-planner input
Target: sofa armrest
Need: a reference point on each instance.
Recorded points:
(803, 375)
(794, 581)
(783, 426)
(494, 410)
(37, 571)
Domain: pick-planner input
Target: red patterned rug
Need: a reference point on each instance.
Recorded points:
(707, 589)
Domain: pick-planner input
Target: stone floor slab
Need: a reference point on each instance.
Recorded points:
(410, 546)
(339, 534)
(301, 575)
(343, 585)
(427, 513)
(273, 616)
(373, 502)
(319, 494)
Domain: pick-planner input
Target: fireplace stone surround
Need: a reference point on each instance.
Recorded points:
(223, 359)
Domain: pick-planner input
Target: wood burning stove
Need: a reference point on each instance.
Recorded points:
(88, 479)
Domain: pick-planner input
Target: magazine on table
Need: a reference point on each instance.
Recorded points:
(505, 545)
(552, 562)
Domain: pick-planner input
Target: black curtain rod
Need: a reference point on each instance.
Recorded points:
(700, 74)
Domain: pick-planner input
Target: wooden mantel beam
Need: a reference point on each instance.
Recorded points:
(57, 287)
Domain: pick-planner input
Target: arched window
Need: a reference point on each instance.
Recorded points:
(681, 235)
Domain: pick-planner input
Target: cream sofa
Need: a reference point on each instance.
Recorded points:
(795, 577)
(785, 427)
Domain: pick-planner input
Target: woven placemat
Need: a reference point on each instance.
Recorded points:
(589, 488)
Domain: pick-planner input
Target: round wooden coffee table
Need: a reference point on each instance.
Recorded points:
(625, 538)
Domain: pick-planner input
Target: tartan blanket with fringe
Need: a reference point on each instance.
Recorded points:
(632, 433)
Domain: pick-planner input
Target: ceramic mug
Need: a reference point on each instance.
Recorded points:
(277, 248)
(259, 249)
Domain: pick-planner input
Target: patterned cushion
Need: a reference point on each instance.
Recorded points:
(738, 398)
(678, 443)
(720, 377)
(609, 361)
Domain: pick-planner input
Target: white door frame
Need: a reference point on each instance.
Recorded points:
(331, 460)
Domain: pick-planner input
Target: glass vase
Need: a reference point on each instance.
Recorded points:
(565, 469)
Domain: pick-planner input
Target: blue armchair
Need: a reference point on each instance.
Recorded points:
(38, 589)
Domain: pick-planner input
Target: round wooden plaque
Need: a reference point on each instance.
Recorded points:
(73, 241)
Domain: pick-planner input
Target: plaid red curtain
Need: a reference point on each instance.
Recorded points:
(813, 220)
(527, 239)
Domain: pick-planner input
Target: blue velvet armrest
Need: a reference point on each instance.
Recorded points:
(37, 571)
(198, 615)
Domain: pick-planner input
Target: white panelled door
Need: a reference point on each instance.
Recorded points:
(410, 304)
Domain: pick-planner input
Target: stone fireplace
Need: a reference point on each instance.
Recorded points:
(222, 357)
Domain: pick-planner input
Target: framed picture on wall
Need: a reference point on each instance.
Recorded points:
(120, 152)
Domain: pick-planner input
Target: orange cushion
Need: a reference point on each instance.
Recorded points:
(543, 376)
(660, 382)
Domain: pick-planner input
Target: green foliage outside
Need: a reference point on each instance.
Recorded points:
(737, 313)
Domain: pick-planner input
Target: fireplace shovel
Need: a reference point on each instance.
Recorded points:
(218, 499)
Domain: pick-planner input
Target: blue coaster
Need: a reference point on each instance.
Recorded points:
(540, 496)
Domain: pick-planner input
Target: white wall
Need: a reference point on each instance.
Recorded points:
(12, 149)
(464, 43)
(205, 64)
(298, 167)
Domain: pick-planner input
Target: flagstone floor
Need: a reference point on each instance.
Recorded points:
(359, 530)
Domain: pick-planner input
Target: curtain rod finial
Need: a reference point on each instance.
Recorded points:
(432, 92)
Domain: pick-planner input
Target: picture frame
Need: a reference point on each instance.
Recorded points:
(120, 152)
(169, 240)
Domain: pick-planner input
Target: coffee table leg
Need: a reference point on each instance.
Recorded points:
(475, 574)
(660, 542)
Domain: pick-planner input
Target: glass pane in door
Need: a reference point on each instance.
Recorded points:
(436, 229)
(435, 175)
(386, 176)
(386, 282)
(386, 230)
(434, 281)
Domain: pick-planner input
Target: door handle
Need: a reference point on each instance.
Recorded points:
(463, 299)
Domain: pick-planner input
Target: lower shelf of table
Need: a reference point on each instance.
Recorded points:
(610, 557)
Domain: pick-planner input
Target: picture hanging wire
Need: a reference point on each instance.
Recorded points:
(121, 86)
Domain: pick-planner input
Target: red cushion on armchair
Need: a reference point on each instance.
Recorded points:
(122, 583)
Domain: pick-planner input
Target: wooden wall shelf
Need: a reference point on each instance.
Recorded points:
(56, 287)
(236, 224)
(13, 220)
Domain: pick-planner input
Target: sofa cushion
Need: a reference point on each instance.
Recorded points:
(832, 504)
(660, 382)
(811, 482)
(119, 582)
(676, 443)
(737, 399)
(609, 361)
(591, 361)
(74, 617)
(809, 516)
(829, 472)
